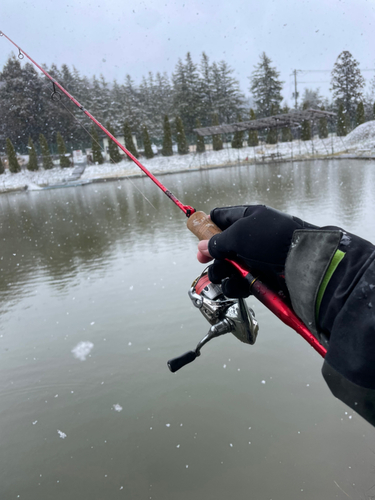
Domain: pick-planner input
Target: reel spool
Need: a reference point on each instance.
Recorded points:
(224, 314)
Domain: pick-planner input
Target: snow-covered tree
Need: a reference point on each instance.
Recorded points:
(13, 164)
(342, 128)
(113, 151)
(33, 159)
(129, 143)
(205, 90)
(266, 87)
(252, 139)
(311, 99)
(186, 92)
(226, 96)
(217, 141)
(201, 147)
(147, 143)
(61, 148)
(1, 167)
(237, 141)
(22, 102)
(306, 130)
(182, 145)
(360, 114)
(167, 138)
(46, 154)
(96, 149)
(272, 134)
(347, 83)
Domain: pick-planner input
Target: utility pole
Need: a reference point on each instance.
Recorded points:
(295, 88)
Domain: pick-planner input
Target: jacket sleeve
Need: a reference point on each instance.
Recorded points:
(330, 275)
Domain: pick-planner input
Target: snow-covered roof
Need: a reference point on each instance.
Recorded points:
(292, 119)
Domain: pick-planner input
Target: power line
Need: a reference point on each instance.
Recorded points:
(294, 73)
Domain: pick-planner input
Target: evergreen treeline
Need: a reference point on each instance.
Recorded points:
(194, 91)
(161, 109)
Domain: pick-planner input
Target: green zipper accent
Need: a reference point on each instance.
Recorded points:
(336, 259)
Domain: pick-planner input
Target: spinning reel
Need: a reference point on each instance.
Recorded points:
(224, 314)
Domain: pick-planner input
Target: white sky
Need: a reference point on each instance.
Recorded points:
(120, 37)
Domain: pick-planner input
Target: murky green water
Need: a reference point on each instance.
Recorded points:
(99, 264)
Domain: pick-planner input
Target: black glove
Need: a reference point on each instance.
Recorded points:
(257, 235)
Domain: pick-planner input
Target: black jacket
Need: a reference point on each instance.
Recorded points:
(330, 275)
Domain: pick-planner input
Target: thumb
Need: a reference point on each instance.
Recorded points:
(203, 254)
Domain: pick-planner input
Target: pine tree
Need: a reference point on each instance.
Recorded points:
(201, 147)
(323, 127)
(12, 157)
(33, 159)
(22, 102)
(341, 121)
(237, 141)
(1, 167)
(46, 155)
(182, 145)
(96, 150)
(129, 143)
(253, 134)
(227, 99)
(266, 87)
(217, 141)
(147, 143)
(113, 151)
(64, 160)
(360, 114)
(187, 92)
(205, 89)
(373, 110)
(347, 83)
(167, 138)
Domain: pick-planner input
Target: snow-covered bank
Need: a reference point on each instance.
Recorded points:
(359, 143)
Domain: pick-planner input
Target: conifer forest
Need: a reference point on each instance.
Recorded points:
(203, 92)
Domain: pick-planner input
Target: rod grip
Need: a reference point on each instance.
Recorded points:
(202, 226)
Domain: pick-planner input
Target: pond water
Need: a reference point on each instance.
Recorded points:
(100, 265)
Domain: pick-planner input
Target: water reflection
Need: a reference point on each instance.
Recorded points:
(56, 233)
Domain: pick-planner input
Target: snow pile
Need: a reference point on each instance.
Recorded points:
(363, 133)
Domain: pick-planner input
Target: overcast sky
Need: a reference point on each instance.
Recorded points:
(120, 37)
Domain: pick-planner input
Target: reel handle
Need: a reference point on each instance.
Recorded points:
(177, 363)
(202, 226)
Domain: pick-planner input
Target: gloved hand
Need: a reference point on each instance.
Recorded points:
(257, 235)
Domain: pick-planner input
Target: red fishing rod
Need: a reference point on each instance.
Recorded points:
(200, 225)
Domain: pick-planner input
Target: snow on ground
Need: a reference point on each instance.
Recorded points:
(360, 142)
(364, 134)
